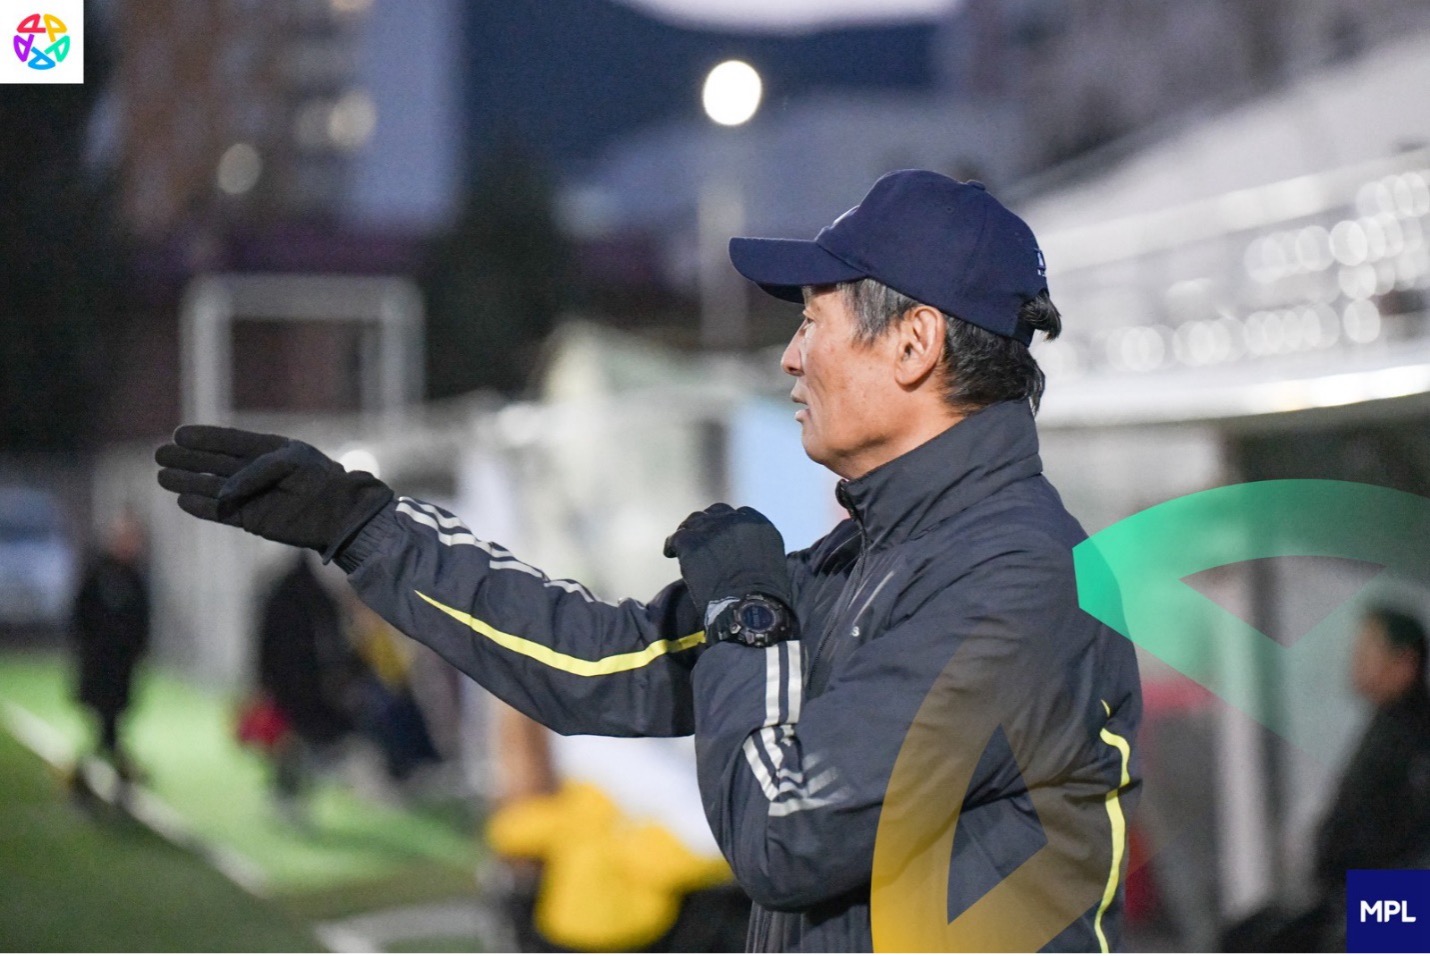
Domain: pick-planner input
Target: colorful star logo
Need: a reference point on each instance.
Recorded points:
(27, 41)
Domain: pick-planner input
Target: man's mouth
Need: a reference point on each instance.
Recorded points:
(803, 412)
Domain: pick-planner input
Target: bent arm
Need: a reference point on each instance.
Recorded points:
(549, 648)
(794, 789)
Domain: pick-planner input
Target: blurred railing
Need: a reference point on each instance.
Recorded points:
(1305, 293)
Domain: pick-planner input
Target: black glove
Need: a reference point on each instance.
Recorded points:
(730, 553)
(275, 487)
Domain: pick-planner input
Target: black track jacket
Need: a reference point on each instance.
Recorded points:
(959, 547)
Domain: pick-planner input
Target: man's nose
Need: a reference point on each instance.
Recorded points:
(790, 361)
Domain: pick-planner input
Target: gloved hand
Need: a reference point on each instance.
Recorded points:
(271, 486)
(726, 552)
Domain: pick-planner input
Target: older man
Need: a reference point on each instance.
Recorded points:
(801, 674)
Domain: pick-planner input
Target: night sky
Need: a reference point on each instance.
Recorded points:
(565, 77)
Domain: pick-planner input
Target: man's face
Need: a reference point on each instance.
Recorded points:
(844, 385)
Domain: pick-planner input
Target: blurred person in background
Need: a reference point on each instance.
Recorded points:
(801, 674)
(388, 712)
(110, 634)
(602, 846)
(1380, 815)
(307, 673)
(1380, 818)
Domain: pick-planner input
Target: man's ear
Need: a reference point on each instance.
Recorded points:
(919, 340)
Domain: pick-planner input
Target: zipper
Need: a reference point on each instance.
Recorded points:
(851, 591)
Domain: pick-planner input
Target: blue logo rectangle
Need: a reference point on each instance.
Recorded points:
(1388, 911)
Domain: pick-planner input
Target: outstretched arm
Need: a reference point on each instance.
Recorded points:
(548, 647)
(576, 664)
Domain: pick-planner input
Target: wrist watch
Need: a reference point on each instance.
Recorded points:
(754, 619)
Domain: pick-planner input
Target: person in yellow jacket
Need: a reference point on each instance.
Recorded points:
(593, 871)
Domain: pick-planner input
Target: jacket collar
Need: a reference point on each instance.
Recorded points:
(983, 453)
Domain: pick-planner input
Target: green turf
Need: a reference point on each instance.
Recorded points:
(420, 883)
(76, 881)
(183, 738)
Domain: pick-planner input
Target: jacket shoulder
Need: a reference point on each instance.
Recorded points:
(1028, 516)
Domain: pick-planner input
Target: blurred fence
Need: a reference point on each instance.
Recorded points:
(1306, 293)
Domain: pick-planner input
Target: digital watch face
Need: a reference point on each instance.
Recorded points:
(756, 617)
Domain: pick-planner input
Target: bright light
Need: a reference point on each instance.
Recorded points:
(347, 122)
(732, 93)
(1348, 243)
(1362, 322)
(1355, 387)
(352, 120)
(239, 169)
(360, 459)
(1313, 248)
(1358, 283)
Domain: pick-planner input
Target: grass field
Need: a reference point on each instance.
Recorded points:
(76, 880)
(70, 881)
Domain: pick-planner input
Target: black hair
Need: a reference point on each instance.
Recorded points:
(1403, 632)
(979, 367)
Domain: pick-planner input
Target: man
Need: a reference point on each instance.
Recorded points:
(110, 631)
(800, 674)
(1380, 818)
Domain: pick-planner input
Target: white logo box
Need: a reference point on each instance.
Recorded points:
(50, 34)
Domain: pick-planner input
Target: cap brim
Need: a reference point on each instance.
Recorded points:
(782, 267)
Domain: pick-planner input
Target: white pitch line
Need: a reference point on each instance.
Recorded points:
(51, 746)
(367, 933)
(337, 938)
(45, 741)
(376, 931)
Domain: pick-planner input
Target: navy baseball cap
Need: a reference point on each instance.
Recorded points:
(941, 242)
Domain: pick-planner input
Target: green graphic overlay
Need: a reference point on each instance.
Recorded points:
(1131, 575)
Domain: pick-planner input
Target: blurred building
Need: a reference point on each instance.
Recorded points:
(272, 136)
(255, 110)
(796, 170)
(251, 115)
(1085, 73)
